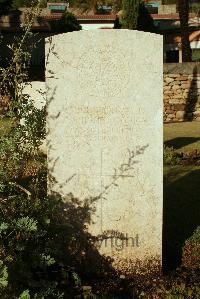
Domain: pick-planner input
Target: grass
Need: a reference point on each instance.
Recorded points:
(181, 206)
(181, 209)
(184, 136)
(5, 126)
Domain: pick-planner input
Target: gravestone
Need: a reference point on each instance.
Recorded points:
(104, 136)
(36, 91)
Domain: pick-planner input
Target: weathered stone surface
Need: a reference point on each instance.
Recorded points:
(185, 85)
(186, 68)
(183, 78)
(169, 80)
(178, 96)
(167, 88)
(169, 111)
(180, 114)
(36, 91)
(175, 82)
(175, 87)
(196, 113)
(173, 75)
(104, 136)
(179, 107)
(179, 91)
(170, 115)
(168, 92)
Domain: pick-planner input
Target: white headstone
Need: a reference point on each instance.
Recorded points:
(36, 91)
(105, 133)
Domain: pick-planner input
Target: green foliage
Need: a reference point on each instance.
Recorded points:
(35, 231)
(25, 295)
(130, 13)
(174, 157)
(5, 5)
(145, 21)
(170, 156)
(191, 251)
(136, 16)
(196, 54)
(27, 3)
(3, 276)
(195, 8)
(67, 23)
(117, 23)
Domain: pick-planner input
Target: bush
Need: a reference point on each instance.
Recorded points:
(67, 23)
(191, 251)
(170, 156)
(173, 157)
(37, 232)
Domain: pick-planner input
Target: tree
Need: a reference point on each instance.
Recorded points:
(130, 13)
(117, 24)
(145, 21)
(67, 23)
(183, 7)
(4, 6)
(136, 16)
(27, 3)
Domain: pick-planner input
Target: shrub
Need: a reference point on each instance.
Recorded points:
(191, 251)
(173, 157)
(170, 156)
(67, 23)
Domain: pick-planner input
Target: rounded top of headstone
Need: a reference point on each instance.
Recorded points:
(104, 32)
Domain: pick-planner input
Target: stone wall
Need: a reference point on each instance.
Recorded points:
(181, 92)
(167, 9)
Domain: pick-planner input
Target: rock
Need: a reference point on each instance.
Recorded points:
(166, 87)
(169, 111)
(196, 113)
(178, 96)
(175, 87)
(176, 82)
(179, 91)
(168, 80)
(180, 115)
(183, 78)
(185, 85)
(168, 92)
(174, 75)
(179, 107)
